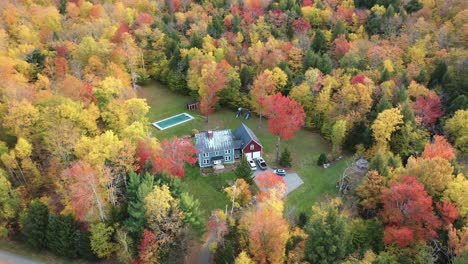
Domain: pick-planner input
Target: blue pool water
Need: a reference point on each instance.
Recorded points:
(173, 121)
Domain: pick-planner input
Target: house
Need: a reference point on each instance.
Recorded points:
(215, 147)
(247, 142)
(222, 146)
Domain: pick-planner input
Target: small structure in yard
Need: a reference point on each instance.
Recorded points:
(192, 105)
(222, 146)
(362, 164)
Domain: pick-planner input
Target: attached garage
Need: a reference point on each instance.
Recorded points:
(247, 142)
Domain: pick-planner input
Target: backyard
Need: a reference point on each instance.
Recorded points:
(305, 148)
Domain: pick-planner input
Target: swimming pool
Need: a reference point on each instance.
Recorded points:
(172, 121)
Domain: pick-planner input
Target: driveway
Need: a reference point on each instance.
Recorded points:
(292, 180)
(10, 258)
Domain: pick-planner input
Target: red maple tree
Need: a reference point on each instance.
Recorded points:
(285, 117)
(267, 180)
(214, 81)
(342, 46)
(440, 148)
(173, 155)
(301, 25)
(448, 212)
(408, 213)
(428, 108)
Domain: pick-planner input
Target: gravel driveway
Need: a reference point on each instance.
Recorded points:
(10, 258)
(292, 180)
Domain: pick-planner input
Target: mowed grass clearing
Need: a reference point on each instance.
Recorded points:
(305, 148)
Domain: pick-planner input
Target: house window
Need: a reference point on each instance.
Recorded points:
(227, 158)
(206, 161)
(228, 151)
(252, 147)
(206, 155)
(216, 153)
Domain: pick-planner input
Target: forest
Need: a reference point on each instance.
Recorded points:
(82, 175)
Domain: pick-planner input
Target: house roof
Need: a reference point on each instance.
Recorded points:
(221, 140)
(245, 134)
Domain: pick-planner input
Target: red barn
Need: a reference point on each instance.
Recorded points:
(247, 143)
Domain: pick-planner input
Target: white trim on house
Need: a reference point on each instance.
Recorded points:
(227, 151)
(206, 161)
(206, 155)
(216, 153)
(227, 158)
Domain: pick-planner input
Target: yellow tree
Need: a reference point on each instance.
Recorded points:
(457, 129)
(20, 118)
(457, 192)
(243, 258)
(386, 123)
(239, 193)
(434, 173)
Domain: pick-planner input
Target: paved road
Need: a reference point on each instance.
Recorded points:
(10, 258)
(204, 256)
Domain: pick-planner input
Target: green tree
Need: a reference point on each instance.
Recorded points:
(328, 239)
(319, 43)
(62, 236)
(285, 159)
(138, 188)
(413, 6)
(339, 29)
(101, 236)
(35, 224)
(322, 159)
(9, 204)
(243, 171)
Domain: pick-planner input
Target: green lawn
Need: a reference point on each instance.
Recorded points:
(305, 148)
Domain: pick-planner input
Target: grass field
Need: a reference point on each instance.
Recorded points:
(305, 148)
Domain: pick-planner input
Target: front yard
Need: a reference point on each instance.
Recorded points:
(305, 148)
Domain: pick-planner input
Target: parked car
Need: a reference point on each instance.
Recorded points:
(280, 172)
(261, 163)
(252, 164)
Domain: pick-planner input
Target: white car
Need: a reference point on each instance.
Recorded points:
(252, 164)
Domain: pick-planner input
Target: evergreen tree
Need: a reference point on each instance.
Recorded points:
(311, 59)
(138, 188)
(328, 239)
(319, 43)
(216, 27)
(62, 236)
(401, 96)
(35, 224)
(285, 159)
(385, 76)
(413, 6)
(325, 64)
(196, 41)
(246, 76)
(383, 104)
(243, 171)
(339, 29)
(438, 74)
(322, 159)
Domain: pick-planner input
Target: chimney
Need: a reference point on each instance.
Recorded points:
(210, 134)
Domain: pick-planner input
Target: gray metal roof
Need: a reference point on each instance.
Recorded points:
(245, 134)
(221, 140)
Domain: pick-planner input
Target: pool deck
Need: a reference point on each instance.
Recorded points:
(178, 123)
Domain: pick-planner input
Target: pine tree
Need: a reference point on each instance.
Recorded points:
(413, 6)
(35, 224)
(325, 64)
(138, 188)
(62, 235)
(285, 159)
(322, 159)
(243, 171)
(319, 43)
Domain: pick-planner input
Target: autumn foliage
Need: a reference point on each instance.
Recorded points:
(440, 148)
(285, 116)
(408, 213)
(428, 108)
